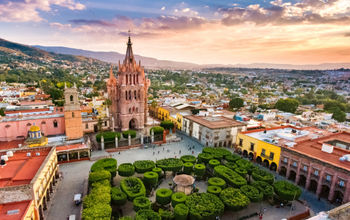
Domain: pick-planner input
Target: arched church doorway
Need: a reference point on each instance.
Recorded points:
(132, 124)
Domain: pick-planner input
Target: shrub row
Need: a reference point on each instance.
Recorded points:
(231, 177)
(170, 164)
(126, 169)
(142, 166)
(133, 187)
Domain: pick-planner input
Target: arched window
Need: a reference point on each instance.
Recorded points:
(126, 79)
(126, 95)
(129, 110)
(71, 98)
(139, 94)
(135, 94)
(55, 124)
(129, 94)
(72, 114)
(133, 109)
(134, 79)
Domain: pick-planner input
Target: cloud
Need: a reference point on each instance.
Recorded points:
(282, 13)
(163, 8)
(29, 10)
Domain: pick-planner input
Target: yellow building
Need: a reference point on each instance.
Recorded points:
(163, 113)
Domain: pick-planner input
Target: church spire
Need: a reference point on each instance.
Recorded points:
(111, 73)
(129, 56)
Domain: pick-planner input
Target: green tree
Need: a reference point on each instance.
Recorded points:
(339, 115)
(253, 108)
(236, 103)
(2, 111)
(287, 105)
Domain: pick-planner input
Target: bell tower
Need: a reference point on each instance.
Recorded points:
(72, 113)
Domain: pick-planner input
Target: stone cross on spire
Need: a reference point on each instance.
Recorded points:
(129, 56)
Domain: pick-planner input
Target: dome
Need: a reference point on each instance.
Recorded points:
(34, 128)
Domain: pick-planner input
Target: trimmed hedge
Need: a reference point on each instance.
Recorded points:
(157, 130)
(217, 152)
(188, 167)
(146, 214)
(234, 199)
(181, 212)
(141, 202)
(264, 187)
(165, 214)
(232, 157)
(109, 136)
(99, 211)
(204, 157)
(217, 181)
(99, 176)
(133, 187)
(158, 171)
(286, 190)
(109, 164)
(118, 196)
(163, 196)
(231, 177)
(252, 193)
(214, 162)
(199, 169)
(126, 169)
(214, 190)
(99, 195)
(150, 178)
(142, 166)
(131, 132)
(178, 198)
(241, 171)
(188, 159)
(167, 124)
(262, 175)
(231, 165)
(170, 164)
(204, 206)
(247, 165)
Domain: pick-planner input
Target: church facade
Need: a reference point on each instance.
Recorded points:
(128, 94)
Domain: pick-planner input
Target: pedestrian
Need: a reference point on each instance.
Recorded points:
(192, 152)
(179, 151)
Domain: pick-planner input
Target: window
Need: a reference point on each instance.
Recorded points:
(252, 146)
(126, 79)
(285, 160)
(86, 126)
(316, 172)
(328, 178)
(129, 110)
(72, 114)
(71, 98)
(139, 96)
(271, 155)
(295, 164)
(55, 124)
(126, 95)
(305, 168)
(129, 95)
(341, 183)
(135, 94)
(240, 142)
(263, 152)
(105, 123)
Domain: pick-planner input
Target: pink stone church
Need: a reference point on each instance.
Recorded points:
(128, 93)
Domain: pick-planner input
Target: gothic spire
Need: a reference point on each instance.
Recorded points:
(111, 73)
(129, 56)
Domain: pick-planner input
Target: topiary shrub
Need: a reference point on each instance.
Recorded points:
(167, 124)
(157, 130)
(247, 165)
(188, 159)
(141, 203)
(234, 199)
(109, 164)
(262, 175)
(118, 196)
(146, 214)
(142, 166)
(170, 164)
(98, 194)
(98, 211)
(163, 196)
(199, 169)
(204, 206)
(204, 157)
(150, 178)
(165, 214)
(214, 162)
(133, 187)
(214, 190)
(232, 157)
(158, 171)
(181, 212)
(178, 198)
(286, 190)
(126, 169)
(231, 165)
(109, 136)
(217, 181)
(264, 187)
(252, 193)
(126, 134)
(231, 177)
(217, 152)
(188, 167)
(99, 176)
(241, 171)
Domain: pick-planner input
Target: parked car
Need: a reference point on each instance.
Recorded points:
(77, 199)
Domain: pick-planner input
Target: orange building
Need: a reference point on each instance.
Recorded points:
(72, 114)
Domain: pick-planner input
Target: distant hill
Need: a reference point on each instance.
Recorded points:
(114, 57)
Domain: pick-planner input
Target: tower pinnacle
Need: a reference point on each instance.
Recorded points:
(129, 56)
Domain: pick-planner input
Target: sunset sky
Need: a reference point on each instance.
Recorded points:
(203, 32)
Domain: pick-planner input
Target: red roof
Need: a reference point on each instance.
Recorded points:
(21, 206)
(4, 145)
(20, 169)
(27, 110)
(71, 147)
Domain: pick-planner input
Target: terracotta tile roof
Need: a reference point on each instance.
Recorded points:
(20, 169)
(21, 206)
(214, 122)
(71, 147)
(4, 145)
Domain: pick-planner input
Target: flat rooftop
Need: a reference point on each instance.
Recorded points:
(214, 122)
(20, 169)
(14, 211)
(71, 147)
